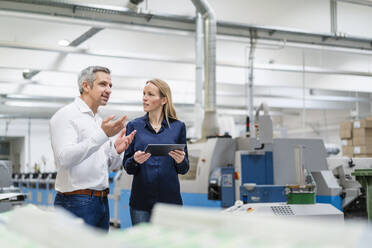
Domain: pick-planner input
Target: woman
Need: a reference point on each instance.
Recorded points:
(155, 177)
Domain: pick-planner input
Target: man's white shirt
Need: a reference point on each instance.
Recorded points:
(82, 151)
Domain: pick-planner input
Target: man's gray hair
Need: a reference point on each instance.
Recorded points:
(89, 75)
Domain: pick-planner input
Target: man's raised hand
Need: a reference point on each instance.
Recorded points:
(112, 128)
(122, 142)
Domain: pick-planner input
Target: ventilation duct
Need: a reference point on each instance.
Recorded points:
(209, 127)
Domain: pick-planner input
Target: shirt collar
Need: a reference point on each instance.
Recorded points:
(147, 121)
(82, 106)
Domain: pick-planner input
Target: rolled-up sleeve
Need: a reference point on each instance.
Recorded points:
(130, 166)
(115, 159)
(183, 167)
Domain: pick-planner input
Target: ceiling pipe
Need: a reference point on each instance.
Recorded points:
(165, 59)
(210, 125)
(333, 9)
(261, 91)
(199, 71)
(249, 84)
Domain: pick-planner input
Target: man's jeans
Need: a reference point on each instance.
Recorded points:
(139, 216)
(92, 209)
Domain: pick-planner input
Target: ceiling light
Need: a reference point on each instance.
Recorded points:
(33, 104)
(64, 43)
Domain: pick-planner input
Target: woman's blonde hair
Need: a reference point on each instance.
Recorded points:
(168, 109)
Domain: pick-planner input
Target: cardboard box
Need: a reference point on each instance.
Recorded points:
(346, 125)
(346, 130)
(363, 124)
(347, 142)
(362, 141)
(346, 133)
(362, 150)
(348, 151)
(349, 155)
(362, 132)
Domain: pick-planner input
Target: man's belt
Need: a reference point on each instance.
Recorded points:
(99, 193)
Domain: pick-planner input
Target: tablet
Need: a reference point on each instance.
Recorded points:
(163, 149)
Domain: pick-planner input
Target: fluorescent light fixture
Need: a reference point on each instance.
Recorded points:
(63, 43)
(243, 112)
(33, 104)
(17, 96)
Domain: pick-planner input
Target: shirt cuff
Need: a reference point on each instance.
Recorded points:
(113, 149)
(178, 164)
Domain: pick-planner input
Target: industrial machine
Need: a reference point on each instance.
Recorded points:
(9, 195)
(354, 197)
(318, 210)
(258, 169)
(300, 199)
(39, 187)
(263, 174)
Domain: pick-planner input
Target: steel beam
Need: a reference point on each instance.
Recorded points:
(84, 37)
(357, 2)
(75, 43)
(164, 59)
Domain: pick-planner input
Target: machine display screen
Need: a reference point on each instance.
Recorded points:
(4, 148)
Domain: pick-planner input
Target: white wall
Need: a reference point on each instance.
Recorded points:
(354, 19)
(322, 124)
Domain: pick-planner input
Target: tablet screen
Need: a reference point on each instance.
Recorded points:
(163, 149)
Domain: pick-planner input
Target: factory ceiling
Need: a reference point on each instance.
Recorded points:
(44, 44)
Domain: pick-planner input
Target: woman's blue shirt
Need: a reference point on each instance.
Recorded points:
(156, 180)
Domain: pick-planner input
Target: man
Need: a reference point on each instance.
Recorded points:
(83, 151)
